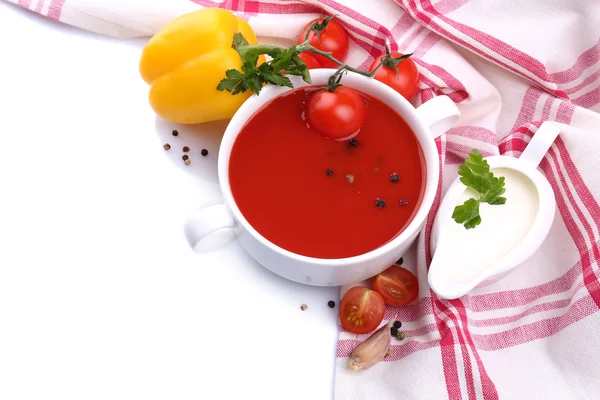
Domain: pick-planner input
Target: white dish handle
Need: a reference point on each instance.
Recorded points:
(439, 114)
(540, 143)
(201, 228)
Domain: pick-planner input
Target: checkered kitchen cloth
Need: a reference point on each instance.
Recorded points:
(509, 65)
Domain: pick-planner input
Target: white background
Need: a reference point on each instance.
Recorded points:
(100, 295)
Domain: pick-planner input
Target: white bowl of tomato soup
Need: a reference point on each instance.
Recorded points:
(321, 211)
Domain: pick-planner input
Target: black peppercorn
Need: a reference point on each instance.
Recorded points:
(353, 142)
(380, 203)
(394, 178)
(204, 152)
(394, 331)
(329, 172)
(184, 157)
(331, 303)
(400, 261)
(175, 133)
(397, 325)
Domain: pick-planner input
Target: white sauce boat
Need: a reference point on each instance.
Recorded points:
(445, 277)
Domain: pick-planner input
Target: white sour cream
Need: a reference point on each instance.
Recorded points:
(466, 253)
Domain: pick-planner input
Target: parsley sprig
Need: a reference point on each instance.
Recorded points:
(475, 173)
(284, 62)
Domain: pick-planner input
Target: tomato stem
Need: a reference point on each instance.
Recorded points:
(392, 62)
(335, 79)
(244, 48)
(301, 48)
(285, 61)
(318, 27)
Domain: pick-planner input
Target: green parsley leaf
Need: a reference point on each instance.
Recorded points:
(302, 70)
(467, 214)
(253, 82)
(234, 78)
(475, 173)
(266, 71)
(253, 77)
(239, 40)
(284, 59)
(495, 190)
(249, 66)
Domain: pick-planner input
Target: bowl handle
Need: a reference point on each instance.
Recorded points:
(439, 114)
(206, 229)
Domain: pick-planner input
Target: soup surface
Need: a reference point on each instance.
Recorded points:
(324, 198)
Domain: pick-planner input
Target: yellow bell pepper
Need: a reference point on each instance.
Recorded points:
(185, 61)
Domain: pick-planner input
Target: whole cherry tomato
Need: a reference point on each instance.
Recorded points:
(403, 77)
(398, 286)
(361, 310)
(337, 114)
(310, 60)
(333, 38)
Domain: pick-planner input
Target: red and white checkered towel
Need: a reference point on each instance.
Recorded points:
(509, 65)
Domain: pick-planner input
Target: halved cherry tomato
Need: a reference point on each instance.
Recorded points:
(404, 81)
(398, 286)
(309, 59)
(332, 39)
(335, 114)
(361, 310)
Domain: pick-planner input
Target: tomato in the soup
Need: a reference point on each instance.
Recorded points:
(336, 114)
(320, 197)
(361, 310)
(398, 286)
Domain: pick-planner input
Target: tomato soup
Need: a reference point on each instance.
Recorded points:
(324, 198)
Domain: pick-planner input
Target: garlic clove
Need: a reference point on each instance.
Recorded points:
(372, 350)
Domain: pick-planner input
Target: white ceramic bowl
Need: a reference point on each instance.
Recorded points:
(428, 121)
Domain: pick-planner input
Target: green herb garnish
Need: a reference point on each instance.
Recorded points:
(475, 173)
(284, 62)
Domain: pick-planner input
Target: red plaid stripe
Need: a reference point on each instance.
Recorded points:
(587, 59)
(502, 53)
(262, 7)
(55, 9)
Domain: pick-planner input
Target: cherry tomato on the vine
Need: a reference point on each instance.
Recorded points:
(310, 60)
(404, 80)
(331, 39)
(398, 286)
(361, 310)
(336, 114)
